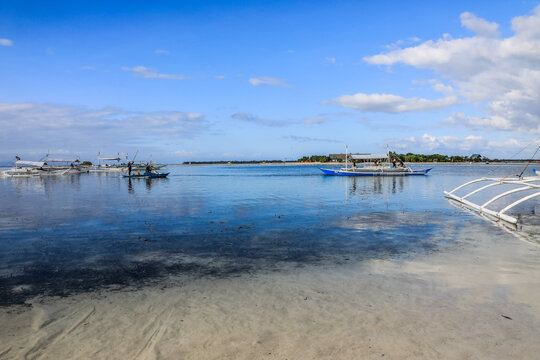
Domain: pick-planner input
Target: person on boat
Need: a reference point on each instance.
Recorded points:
(129, 167)
(394, 162)
(148, 169)
(401, 164)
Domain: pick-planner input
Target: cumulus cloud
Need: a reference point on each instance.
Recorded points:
(495, 122)
(34, 126)
(454, 145)
(310, 139)
(389, 103)
(268, 81)
(6, 42)
(149, 73)
(500, 74)
(258, 120)
(479, 25)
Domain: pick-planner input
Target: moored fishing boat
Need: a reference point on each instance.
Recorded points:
(31, 168)
(373, 165)
(71, 165)
(103, 164)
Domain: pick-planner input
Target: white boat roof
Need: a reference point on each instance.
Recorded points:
(29, 163)
(368, 156)
(62, 160)
(116, 158)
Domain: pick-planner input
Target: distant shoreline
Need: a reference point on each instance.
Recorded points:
(262, 163)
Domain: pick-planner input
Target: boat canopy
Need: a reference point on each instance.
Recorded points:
(62, 160)
(369, 156)
(115, 159)
(29, 163)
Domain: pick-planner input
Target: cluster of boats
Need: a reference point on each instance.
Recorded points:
(57, 167)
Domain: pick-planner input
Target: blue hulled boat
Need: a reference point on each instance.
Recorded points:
(373, 166)
(374, 171)
(149, 175)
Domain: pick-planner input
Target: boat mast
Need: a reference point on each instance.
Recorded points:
(388, 153)
(346, 156)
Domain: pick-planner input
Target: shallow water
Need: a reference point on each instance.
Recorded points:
(70, 234)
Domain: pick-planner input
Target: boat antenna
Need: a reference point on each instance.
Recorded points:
(529, 162)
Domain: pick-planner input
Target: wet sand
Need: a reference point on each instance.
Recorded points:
(478, 300)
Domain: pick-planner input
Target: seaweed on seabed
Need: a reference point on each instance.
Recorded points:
(51, 281)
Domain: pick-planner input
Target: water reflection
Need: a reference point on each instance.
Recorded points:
(90, 230)
(360, 185)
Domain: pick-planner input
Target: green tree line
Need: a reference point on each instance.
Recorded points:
(408, 157)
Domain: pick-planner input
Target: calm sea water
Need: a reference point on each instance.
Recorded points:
(60, 235)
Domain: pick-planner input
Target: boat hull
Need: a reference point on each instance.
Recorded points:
(339, 172)
(148, 176)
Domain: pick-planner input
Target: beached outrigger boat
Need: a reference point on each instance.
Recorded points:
(518, 185)
(373, 166)
(528, 188)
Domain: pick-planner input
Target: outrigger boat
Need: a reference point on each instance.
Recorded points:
(103, 166)
(517, 185)
(31, 168)
(72, 165)
(150, 175)
(373, 167)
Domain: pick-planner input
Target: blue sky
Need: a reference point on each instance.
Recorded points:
(185, 81)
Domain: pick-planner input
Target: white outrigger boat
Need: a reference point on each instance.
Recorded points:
(373, 166)
(518, 185)
(103, 166)
(72, 165)
(32, 168)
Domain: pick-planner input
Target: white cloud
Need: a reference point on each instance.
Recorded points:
(495, 122)
(149, 73)
(500, 74)
(478, 25)
(6, 42)
(162, 52)
(310, 139)
(184, 153)
(258, 120)
(455, 145)
(440, 87)
(37, 127)
(315, 120)
(389, 103)
(268, 81)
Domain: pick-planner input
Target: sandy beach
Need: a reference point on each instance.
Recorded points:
(478, 300)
